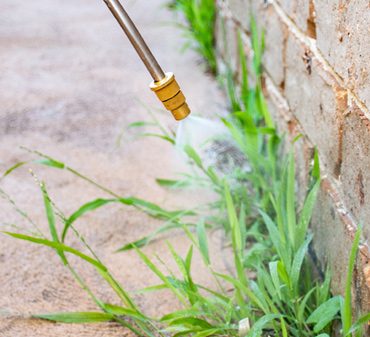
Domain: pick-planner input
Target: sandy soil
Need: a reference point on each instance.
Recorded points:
(70, 84)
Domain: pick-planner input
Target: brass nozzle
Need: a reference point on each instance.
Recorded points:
(170, 94)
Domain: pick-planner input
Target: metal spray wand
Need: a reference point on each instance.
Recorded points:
(163, 84)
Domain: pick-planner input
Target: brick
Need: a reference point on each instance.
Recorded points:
(318, 106)
(355, 176)
(302, 13)
(343, 36)
(287, 126)
(275, 43)
(226, 41)
(315, 103)
(275, 37)
(277, 114)
(332, 243)
(240, 10)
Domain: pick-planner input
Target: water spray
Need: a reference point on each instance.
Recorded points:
(164, 84)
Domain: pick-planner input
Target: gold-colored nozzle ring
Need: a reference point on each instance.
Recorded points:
(169, 93)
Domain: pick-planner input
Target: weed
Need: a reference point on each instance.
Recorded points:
(269, 238)
(200, 15)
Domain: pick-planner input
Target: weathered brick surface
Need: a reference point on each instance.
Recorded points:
(298, 11)
(287, 127)
(313, 101)
(275, 41)
(332, 248)
(227, 44)
(241, 11)
(317, 62)
(355, 175)
(343, 36)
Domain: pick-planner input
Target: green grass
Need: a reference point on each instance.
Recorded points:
(283, 297)
(267, 231)
(200, 15)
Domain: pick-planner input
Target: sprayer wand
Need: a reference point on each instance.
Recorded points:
(163, 84)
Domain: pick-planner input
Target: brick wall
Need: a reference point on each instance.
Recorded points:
(317, 83)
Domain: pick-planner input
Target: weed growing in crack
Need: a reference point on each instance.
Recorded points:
(273, 289)
(200, 15)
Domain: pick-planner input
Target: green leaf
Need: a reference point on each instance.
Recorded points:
(325, 313)
(164, 137)
(295, 271)
(277, 238)
(236, 236)
(172, 183)
(88, 207)
(256, 330)
(161, 276)
(347, 305)
(77, 317)
(245, 290)
(303, 304)
(14, 167)
(151, 289)
(283, 327)
(273, 266)
(203, 242)
(290, 201)
(47, 161)
(154, 210)
(120, 311)
(140, 124)
(135, 244)
(306, 213)
(233, 221)
(58, 246)
(179, 261)
(208, 332)
(283, 274)
(188, 260)
(192, 154)
(147, 239)
(181, 314)
(316, 165)
(51, 220)
(365, 319)
(191, 322)
(146, 206)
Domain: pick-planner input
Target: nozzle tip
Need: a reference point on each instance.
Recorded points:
(182, 112)
(169, 92)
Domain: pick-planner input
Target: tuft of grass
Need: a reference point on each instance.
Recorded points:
(200, 15)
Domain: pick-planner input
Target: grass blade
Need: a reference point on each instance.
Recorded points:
(51, 221)
(88, 207)
(13, 168)
(295, 271)
(147, 239)
(146, 206)
(347, 305)
(58, 246)
(203, 242)
(256, 330)
(173, 184)
(365, 319)
(306, 213)
(77, 317)
(290, 201)
(120, 311)
(325, 313)
(161, 276)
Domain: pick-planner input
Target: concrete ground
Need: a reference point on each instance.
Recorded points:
(70, 84)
